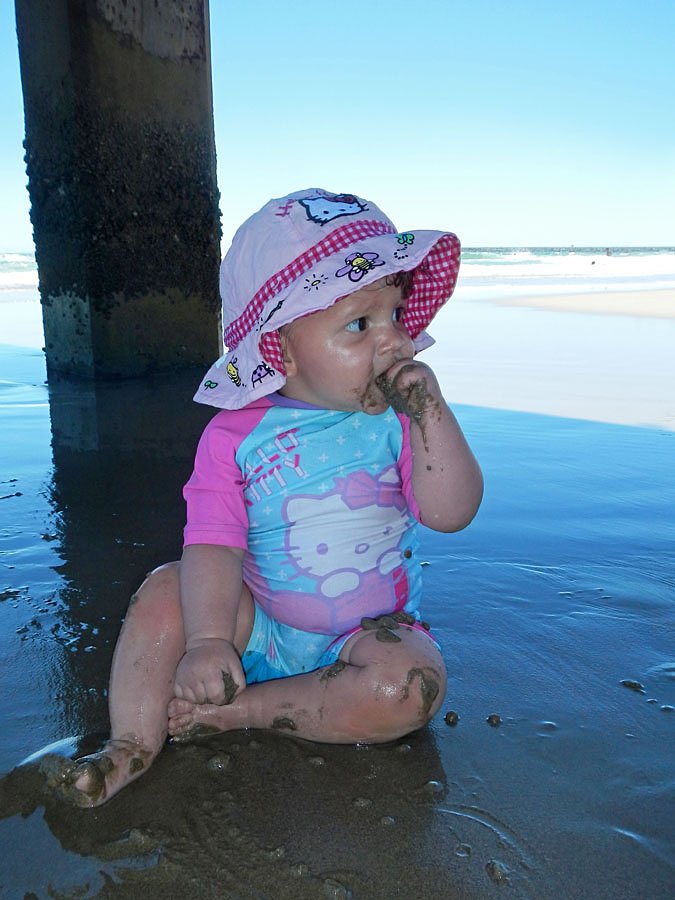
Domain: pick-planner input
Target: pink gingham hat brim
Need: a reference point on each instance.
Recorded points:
(300, 254)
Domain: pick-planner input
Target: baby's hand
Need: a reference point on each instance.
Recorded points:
(210, 672)
(410, 387)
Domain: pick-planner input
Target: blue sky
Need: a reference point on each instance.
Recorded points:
(521, 123)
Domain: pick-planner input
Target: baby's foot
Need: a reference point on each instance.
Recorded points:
(91, 780)
(192, 720)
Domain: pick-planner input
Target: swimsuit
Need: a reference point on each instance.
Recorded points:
(321, 502)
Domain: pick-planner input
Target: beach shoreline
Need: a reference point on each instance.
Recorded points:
(591, 356)
(602, 356)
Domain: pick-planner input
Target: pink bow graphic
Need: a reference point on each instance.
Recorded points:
(362, 489)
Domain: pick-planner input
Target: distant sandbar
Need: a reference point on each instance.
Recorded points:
(651, 304)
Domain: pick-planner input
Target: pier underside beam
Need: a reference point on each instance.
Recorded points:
(121, 166)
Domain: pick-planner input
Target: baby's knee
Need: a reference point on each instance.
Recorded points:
(402, 697)
(158, 598)
(422, 689)
(418, 691)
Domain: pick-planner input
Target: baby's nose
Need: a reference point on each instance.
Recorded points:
(394, 338)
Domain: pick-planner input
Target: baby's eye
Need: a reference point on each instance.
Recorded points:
(357, 324)
(398, 313)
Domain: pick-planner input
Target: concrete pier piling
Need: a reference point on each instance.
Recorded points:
(121, 167)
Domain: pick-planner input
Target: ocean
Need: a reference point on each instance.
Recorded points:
(492, 272)
(563, 269)
(18, 271)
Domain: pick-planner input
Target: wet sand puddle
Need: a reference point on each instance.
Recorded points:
(280, 818)
(548, 771)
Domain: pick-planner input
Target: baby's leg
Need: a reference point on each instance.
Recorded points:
(377, 691)
(148, 650)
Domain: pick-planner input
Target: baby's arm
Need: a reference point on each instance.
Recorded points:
(210, 588)
(446, 479)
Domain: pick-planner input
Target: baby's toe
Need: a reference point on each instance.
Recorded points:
(178, 707)
(180, 724)
(83, 781)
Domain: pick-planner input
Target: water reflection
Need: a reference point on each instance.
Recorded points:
(121, 453)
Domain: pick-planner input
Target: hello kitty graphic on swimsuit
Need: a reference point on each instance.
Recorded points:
(342, 561)
(324, 510)
(372, 540)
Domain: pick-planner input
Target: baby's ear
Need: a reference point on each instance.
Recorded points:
(287, 351)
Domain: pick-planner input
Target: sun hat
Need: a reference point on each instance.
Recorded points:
(300, 254)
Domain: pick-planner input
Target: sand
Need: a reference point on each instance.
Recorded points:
(556, 356)
(554, 609)
(649, 304)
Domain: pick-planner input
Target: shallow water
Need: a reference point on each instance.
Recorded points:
(616, 368)
(562, 588)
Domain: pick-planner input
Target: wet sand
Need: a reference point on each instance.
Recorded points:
(555, 609)
(649, 304)
(557, 355)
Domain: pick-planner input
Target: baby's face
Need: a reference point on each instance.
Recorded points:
(333, 357)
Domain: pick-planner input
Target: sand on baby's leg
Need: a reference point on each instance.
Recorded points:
(141, 684)
(377, 691)
(148, 650)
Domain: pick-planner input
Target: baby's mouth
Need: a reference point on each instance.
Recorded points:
(385, 383)
(408, 401)
(374, 397)
(384, 378)
(381, 389)
(386, 387)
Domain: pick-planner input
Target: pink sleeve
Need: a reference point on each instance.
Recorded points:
(405, 464)
(216, 512)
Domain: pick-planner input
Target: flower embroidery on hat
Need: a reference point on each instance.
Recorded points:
(315, 281)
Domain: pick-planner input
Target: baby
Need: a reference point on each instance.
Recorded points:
(295, 605)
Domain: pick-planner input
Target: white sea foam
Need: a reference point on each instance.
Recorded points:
(508, 274)
(15, 258)
(19, 281)
(18, 272)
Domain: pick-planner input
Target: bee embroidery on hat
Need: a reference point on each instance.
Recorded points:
(325, 209)
(233, 372)
(358, 264)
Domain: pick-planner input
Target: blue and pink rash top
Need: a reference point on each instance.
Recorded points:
(321, 502)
